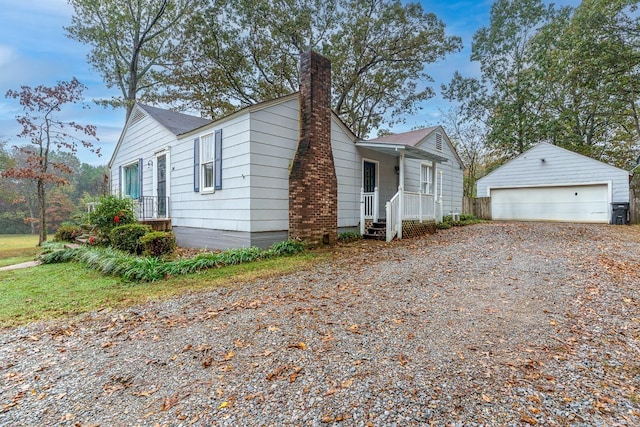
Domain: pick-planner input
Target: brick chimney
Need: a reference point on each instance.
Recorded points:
(313, 186)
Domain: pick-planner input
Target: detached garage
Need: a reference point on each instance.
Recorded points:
(549, 183)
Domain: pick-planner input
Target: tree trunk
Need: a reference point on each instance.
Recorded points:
(43, 208)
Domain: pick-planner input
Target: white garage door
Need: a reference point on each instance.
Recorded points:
(580, 203)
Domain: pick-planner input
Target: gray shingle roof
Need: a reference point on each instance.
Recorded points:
(177, 123)
(406, 138)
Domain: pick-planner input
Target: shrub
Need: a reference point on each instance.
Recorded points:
(349, 236)
(286, 247)
(127, 237)
(158, 243)
(67, 233)
(110, 212)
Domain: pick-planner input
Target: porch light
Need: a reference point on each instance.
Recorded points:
(150, 163)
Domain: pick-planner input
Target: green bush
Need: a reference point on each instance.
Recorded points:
(127, 237)
(148, 269)
(286, 247)
(158, 243)
(67, 233)
(111, 212)
(349, 236)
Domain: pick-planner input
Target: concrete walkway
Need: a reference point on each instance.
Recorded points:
(21, 265)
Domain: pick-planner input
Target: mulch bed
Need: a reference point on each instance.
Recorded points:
(490, 324)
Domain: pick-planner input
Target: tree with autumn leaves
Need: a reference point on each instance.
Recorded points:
(47, 132)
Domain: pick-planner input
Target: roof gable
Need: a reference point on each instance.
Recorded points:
(543, 147)
(413, 137)
(176, 123)
(416, 138)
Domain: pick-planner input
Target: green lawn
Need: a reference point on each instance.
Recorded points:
(58, 290)
(17, 248)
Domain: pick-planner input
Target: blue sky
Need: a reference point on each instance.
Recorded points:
(34, 51)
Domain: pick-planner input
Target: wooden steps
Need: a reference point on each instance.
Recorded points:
(377, 231)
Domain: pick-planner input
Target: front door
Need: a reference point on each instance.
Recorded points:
(369, 177)
(162, 185)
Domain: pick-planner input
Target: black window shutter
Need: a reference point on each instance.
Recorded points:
(218, 160)
(140, 178)
(196, 165)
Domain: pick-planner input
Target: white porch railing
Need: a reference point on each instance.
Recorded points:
(418, 206)
(369, 207)
(393, 217)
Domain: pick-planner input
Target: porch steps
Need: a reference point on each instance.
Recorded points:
(377, 231)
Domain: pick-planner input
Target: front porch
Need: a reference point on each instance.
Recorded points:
(404, 207)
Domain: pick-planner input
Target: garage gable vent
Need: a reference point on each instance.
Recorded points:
(439, 141)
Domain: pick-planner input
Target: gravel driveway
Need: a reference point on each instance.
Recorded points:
(491, 324)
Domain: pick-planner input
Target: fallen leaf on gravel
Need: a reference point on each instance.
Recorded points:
(534, 398)
(300, 345)
(528, 420)
(276, 373)
(553, 322)
(403, 359)
(223, 405)
(229, 355)
(486, 398)
(347, 383)
(106, 345)
(294, 375)
(273, 328)
(187, 348)
(328, 419)
(169, 402)
(145, 393)
(354, 329)
(331, 391)
(203, 347)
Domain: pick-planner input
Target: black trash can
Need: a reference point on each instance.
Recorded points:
(620, 213)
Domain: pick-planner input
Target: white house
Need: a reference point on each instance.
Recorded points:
(263, 173)
(550, 183)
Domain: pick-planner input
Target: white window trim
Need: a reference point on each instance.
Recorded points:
(122, 178)
(429, 174)
(203, 188)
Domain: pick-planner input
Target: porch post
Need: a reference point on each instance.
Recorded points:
(376, 206)
(401, 199)
(361, 210)
(434, 180)
(400, 210)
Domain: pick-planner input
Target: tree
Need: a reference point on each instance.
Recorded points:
(130, 40)
(45, 132)
(468, 136)
(238, 53)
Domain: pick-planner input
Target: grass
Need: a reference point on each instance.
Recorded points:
(17, 248)
(60, 290)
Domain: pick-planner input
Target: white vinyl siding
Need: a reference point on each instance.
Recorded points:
(452, 172)
(560, 167)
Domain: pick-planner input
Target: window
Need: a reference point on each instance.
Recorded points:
(131, 180)
(426, 184)
(439, 141)
(206, 162)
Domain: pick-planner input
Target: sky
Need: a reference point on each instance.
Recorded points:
(35, 51)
